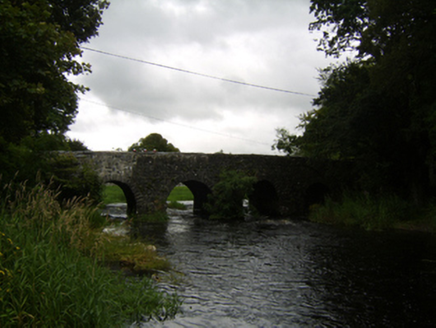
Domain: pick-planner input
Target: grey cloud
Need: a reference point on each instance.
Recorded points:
(256, 41)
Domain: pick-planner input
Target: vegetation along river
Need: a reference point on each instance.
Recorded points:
(294, 273)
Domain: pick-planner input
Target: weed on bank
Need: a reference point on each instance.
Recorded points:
(375, 213)
(50, 274)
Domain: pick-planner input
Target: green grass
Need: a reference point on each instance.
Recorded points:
(155, 217)
(135, 257)
(113, 194)
(180, 193)
(176, 205)
(49, 267)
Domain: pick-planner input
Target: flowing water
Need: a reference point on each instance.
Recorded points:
(293, 273)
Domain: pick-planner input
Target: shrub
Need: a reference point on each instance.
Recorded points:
(36, 159)
(228, 195)
(74, 180)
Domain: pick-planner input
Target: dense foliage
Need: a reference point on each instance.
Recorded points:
(34, 161)
(228, 194)
(378, 108)
(39, 40)
(51, 239)
(49, 266)
(39, 45)
(153, 141)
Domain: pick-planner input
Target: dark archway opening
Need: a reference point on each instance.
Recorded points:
(315, 194)
(264, 198)
(130, 197)
(200, 192)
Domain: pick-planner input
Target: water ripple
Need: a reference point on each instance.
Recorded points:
(293, 273)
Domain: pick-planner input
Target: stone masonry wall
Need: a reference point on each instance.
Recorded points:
(151, 176)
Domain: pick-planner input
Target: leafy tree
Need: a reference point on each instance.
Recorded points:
(153, 141)
(38, 43)
(287, 143)
(75, 145)
(377, 109)
(228, 195)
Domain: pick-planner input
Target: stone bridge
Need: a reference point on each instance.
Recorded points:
(285, 185)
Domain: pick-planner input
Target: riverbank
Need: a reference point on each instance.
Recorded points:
(52, 270)
(375, 213)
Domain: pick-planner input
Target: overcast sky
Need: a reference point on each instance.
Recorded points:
(261, 42)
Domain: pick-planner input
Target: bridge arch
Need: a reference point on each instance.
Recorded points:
(128, 193)
(265, 198)
(199, 190)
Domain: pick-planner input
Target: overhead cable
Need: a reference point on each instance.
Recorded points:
(174, 123)
(198, 74)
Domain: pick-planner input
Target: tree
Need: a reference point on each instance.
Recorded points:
(76, 145)
(373, 27)
(287, 143)
(153, 141)
(377, 109)
(38, 43)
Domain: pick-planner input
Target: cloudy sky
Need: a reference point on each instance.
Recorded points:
(261, 42)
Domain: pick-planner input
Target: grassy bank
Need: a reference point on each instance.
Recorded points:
(50, 272)
(375, 213)
(180, 193)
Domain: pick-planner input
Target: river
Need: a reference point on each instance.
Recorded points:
(294, 273)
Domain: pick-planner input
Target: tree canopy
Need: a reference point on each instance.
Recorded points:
(378, 108)
(39, 41)
(39, 46)
(153, 141)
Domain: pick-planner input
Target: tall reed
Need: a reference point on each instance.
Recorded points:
(45, 279)
(368, 212)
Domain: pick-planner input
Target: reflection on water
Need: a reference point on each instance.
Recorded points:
(293, 273)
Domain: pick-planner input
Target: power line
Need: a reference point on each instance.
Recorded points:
(174, 123)
(198, 74)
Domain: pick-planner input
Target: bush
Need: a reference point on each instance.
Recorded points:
(228, 195)
(19, 162)
(37, 159)
(74, 180)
